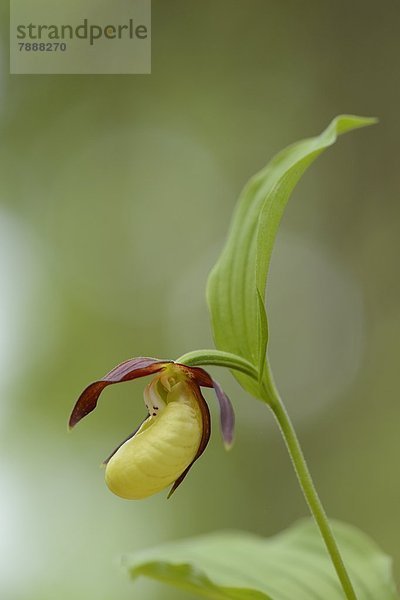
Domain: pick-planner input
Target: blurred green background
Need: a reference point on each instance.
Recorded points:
(116, 194)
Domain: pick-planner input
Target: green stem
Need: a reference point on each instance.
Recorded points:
(220, 359)
(272, 398)
(308, 488)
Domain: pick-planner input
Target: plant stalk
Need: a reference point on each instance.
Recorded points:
(271, 397)
(308, 488)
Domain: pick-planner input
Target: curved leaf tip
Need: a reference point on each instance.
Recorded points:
(237, 283)
(345, 123)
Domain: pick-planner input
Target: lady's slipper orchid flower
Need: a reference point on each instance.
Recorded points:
(173, 435)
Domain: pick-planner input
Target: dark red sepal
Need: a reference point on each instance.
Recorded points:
(126, 371)
(227, 415)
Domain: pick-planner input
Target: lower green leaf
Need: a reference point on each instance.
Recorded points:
(293, 565)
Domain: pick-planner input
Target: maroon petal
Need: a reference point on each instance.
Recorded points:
(227, 415)
(130, 369)
(201, 377)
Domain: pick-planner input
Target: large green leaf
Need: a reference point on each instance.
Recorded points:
(293, 565)
(236, 286)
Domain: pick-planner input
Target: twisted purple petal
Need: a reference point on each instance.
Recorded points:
(227, 415)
